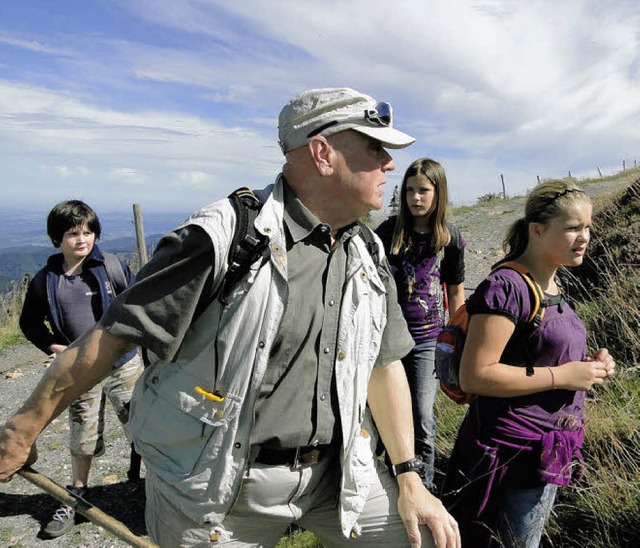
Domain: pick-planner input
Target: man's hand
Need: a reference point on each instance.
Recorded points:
(15, 453)
(419, 507)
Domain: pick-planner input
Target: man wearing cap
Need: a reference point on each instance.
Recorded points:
(259, 412)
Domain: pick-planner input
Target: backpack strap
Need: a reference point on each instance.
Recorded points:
(115, 272)
(370, 242)
(247, 244)
(538, 304)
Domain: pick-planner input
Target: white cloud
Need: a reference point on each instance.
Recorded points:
(129, 175)
(487, 87)
(30, 44)
(62, 171)
(66, 172)
(195, 179)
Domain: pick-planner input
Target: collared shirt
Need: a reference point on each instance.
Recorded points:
(297, 403)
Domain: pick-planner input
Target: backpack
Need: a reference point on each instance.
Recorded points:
(115, 272)
(248, 245)
(450, 341)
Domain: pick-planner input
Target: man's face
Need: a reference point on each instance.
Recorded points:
(361, 168)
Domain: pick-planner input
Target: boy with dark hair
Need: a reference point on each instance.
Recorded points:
(64, 299)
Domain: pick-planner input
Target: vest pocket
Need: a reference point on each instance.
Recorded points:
(171, 433)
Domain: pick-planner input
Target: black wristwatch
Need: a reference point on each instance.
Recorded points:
(415, 464)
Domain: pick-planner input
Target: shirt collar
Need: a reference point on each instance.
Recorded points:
(301, 222)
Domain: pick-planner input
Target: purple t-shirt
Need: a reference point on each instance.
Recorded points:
(419, 275)
(561, 338)
(521, 441)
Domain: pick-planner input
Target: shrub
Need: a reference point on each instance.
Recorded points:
(490, 197)
(10, 307)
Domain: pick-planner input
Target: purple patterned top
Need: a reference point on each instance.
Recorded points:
(419, 275)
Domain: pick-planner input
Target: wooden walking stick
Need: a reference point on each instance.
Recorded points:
(84, 507)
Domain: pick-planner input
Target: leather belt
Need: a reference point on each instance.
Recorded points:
(296, 457)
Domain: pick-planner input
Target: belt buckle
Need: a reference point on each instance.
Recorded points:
(303, 460)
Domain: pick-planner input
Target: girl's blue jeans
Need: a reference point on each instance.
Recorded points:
(419, 366)
(523, 514)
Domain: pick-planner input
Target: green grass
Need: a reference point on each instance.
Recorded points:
(300, 539)
(10, 337)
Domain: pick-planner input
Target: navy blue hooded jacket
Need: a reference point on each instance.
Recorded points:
(41, 301)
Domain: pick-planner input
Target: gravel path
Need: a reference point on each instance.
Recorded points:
(24, 509)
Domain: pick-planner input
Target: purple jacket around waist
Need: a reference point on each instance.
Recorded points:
(527, 440)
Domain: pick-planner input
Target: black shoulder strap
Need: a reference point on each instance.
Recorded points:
(247, 245)
(115, 272)
(370, 242)
(385, 232)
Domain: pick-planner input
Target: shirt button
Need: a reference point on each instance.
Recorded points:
(261, 344)
(341, 356)
(332, 302)
(237, 445)
(323, 397)
(155, 380)
(327, 350)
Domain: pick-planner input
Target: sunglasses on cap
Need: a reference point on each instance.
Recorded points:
(381, 114)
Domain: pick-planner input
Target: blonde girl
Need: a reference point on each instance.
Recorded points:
(522, 434)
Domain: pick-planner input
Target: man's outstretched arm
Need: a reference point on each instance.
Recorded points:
(81, 366)
(390, 404)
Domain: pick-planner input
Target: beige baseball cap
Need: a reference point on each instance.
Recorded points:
(327, 111)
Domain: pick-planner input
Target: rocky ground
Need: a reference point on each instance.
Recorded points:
(24, 508)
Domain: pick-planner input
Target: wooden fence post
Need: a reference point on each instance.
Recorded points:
(142, 245)
(599, 172)
(504, 189)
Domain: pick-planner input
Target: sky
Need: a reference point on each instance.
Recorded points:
(171, 104)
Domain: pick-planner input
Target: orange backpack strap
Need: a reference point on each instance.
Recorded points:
(538, 302)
